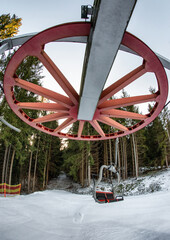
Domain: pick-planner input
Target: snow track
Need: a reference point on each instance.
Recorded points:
(61, 215)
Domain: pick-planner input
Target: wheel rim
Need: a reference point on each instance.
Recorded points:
(67, 107)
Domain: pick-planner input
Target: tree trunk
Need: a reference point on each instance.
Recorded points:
(7, 163)
(21, 176)
(11, 166)
(4, 164)
(135, 154)
(89, 167)
(29, 172)
(105, 173)
(125, 152)
(168, 134)
(116, 151)
(48, 164)
(124, 158)
(97, 162)
(82, 168)
(35, 166)
(110, 152)
(45, 167)
(119, 162)
(166, 161)
(89, 173)
(133, 158)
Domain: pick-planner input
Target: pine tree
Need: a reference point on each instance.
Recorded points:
(156, 143)
(9, 26)
(78, 157)
(17, 145)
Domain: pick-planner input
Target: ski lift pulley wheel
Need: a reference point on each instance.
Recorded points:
(66, 107)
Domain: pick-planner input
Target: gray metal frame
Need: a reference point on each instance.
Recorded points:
(96, 183)
(110, 21)
(10, 43)
(9, 125)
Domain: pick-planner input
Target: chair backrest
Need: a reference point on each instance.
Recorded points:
(104, 196)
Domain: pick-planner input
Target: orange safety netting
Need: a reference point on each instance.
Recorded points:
(6, 189)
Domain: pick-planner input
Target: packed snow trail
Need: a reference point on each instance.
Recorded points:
(60, 215)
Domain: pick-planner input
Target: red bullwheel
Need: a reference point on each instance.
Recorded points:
(66, 107)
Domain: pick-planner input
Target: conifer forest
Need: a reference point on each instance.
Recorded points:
(33, 158)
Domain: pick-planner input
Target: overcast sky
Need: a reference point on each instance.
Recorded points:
(150, 22)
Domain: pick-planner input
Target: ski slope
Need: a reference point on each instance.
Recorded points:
(60, 215)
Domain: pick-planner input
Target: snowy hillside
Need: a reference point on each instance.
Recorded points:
(153, 182)
(61, 215)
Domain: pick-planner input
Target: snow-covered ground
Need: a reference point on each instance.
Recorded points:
(61, 215)
(152, 182)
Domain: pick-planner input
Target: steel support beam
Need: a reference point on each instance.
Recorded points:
(12, 42)
(165, 62)
(9, 43)
(9, 125)
(111, 20)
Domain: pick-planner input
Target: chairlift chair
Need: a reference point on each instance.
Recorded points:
(102, 196)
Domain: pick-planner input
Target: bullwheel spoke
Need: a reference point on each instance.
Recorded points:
(65, 124)
(59, 77)
(121, 83)
(81, 126)
(97, 127)
(122, 114)
(112, 123)
(43, 106)
(56, 97)
(129, 101)
(51, 117)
